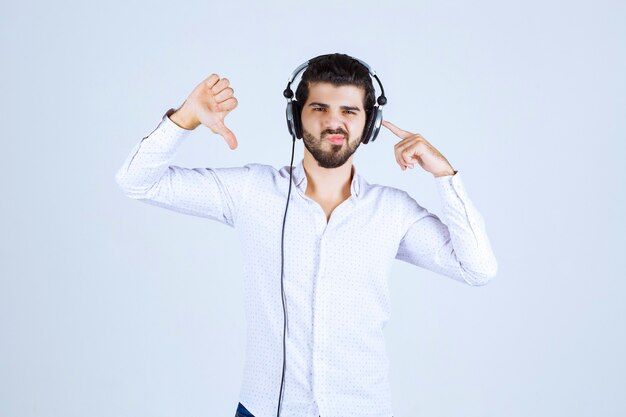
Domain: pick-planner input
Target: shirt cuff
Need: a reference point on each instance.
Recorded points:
(451, 186)
(166, 136)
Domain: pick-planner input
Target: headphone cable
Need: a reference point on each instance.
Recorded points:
(282, 262)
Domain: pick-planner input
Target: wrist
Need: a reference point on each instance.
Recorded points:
(183, 119)
(445, 173)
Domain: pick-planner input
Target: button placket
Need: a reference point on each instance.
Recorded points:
(319, 318)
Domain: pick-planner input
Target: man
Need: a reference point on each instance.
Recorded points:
(340, 239)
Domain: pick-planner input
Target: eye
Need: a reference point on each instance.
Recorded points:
(323, 108)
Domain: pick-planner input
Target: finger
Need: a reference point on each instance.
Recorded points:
(211, 80)
(212, 104)
(230, 138)
(416, 146)
(400, 161)
(224, 94)
(398, 149)
(408, 157)
(226, 133)
(220, 85)
(228, 104)
(396, 130)
(397, 154)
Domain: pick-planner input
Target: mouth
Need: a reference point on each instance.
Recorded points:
(336, 139)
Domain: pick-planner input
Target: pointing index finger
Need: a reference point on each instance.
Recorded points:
(396, 130)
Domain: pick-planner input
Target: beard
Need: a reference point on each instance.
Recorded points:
(327, 154)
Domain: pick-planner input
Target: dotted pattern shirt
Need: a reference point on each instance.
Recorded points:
(336, 272)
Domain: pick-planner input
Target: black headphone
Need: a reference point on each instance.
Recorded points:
(372, 127)
(294, 109)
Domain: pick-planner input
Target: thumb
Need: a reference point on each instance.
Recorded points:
(221, 129)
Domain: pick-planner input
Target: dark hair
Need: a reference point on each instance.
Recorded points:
(338, 70)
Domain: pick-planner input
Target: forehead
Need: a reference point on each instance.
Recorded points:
(348, 95)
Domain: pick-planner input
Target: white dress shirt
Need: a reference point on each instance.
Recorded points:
(336, 273)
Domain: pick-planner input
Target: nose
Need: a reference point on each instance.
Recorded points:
(333, 119)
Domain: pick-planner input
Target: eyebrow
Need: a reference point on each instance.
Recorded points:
(327, 106)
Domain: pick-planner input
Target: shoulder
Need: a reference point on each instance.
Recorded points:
(258, 169)
(387, 196)
(263, 173)
(385, 192)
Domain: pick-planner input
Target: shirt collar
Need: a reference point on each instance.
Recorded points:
(299, 179)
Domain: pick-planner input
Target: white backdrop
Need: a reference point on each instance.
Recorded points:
(112, 307)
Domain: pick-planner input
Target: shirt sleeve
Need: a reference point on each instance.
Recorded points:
(458, 246)
(146, 175)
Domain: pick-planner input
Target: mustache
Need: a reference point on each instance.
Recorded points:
(334, 132)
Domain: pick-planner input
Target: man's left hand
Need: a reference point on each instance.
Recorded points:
(414, 148)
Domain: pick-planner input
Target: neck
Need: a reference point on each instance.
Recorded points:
(327, 183)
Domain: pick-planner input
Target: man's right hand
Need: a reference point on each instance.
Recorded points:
(208, 104)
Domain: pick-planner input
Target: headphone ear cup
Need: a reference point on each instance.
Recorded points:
(297, 121)
(367, 131)
(290, 122)
(377, 119)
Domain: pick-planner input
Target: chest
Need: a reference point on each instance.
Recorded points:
(328, 206)
(327, 237)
